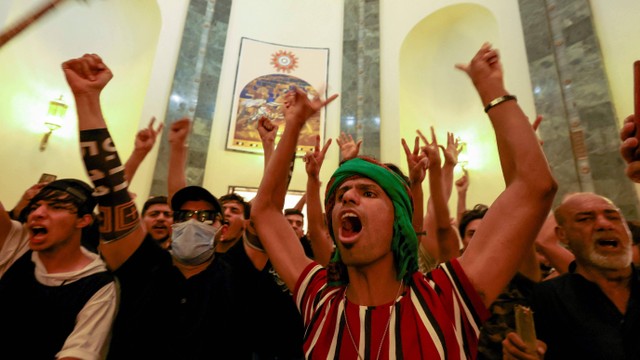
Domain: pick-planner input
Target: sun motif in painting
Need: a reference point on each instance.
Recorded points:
(284, 61)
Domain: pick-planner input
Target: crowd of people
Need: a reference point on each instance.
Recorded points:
(195, 276)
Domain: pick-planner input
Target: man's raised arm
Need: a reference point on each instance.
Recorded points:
(145, 139)
(178, 153)
(630, 147)
(446, 237)
(513, 221)
(277, 236)
(318, 234)
(120, 232)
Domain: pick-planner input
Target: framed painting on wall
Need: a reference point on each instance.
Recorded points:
(265, 73)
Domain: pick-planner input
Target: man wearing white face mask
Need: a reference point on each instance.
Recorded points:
(172, 305)
(188, 290)
(196, 221)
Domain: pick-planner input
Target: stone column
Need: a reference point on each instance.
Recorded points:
(360, 95)
(195, 87)
(571, 92)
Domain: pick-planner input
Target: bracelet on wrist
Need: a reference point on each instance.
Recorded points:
(499, 100)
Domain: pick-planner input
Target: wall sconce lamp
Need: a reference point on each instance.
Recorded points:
(53, 121)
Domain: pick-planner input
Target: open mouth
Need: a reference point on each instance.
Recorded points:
(350, 226)
(607, 243)
(38, 230)
(38, 234)
(223, 230)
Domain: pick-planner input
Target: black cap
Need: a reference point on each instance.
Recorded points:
(194, 193)
(81, 194)
(153, 201)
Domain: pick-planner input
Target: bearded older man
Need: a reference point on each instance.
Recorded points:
(593, 311)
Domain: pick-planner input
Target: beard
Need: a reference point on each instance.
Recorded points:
(610, 262)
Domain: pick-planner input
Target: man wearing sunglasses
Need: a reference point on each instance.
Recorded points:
(185, 291)
(197, 219)
(173, 305)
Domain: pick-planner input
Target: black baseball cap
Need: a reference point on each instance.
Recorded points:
(81, 195)
(194, 193)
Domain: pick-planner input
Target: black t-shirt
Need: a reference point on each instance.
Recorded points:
(163, 315)
(578, 321)
(28, 308)
(274, 324)
(306, 245)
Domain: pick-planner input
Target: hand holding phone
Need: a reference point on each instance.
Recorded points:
(525, 327)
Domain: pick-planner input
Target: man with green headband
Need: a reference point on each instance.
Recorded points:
(372, 303)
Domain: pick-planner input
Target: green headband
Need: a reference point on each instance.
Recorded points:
(404, 244)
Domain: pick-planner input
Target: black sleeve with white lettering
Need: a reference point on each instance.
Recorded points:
(118, 214)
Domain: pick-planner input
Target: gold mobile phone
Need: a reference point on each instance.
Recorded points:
(525, 327)
(47, 178)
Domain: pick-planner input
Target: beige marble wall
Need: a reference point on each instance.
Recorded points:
(195, 87)
(571, 91)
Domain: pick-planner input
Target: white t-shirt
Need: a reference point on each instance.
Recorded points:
(90, 337)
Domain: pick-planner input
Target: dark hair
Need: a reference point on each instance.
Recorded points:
(468, 216)
(293, 211)
(154, 200)
(80, 195)
(238, 198)
(73, 191)
(398, 171)
(90, 237)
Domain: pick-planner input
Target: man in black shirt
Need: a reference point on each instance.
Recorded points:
(173, 305)
(295, 218)
(592, 312)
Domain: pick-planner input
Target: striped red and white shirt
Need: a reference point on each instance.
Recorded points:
(437, 317)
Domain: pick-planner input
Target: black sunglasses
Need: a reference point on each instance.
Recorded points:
(200, 215)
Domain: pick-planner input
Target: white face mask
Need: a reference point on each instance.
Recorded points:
(192, 241)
